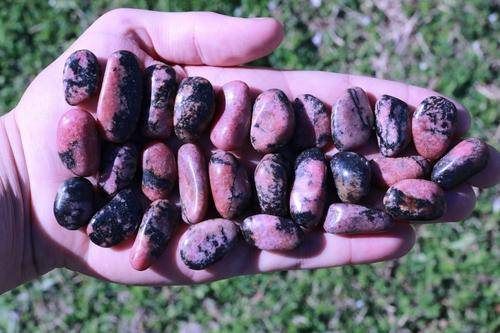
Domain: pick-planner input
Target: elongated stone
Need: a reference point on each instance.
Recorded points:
(74, 203)
(194, 108)
(193, 183)
(159, 94)
(312, 123)
(387, 171)
(118, 167)
(308, 195)
(207, 242)
(465, 159)
(80, 76)
(117, 220)
(159, 171)
(271, 233)
(433, 126)
(415, 199)
(354, 219)
(352, 176)
(352, 120)
(157, 226)
(393, 125)
(271, 184)
(273, 121)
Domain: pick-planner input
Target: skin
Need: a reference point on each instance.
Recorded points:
(30, 171)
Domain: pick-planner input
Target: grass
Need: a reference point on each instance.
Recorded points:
(448, 282)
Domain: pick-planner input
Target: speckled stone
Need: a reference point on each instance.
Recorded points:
(433, 126)
(271, 233)
(352, 120)
(157, 226)
(193, 183)
(159, 171)
(207, 242)
(271, 184)
(194, 108)
(159, 94)
(352, 176)
(415, 199)
(312, 123)
(74, 203)
(393, 125)
(273, 121)
(229, 183)
(119, 106)
(78, 143)
(345, 218)
(118, 167)
(80, 76)
(387, 171)
(232, 127)
(117, 220)
(308, 195)
(465, 159)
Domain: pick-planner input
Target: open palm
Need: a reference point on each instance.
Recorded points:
(198, 43)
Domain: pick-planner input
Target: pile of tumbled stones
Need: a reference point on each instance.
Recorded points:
(137, 164)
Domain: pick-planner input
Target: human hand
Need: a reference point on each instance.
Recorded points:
(198, 42)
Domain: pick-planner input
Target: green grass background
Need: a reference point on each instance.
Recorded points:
(448, 282)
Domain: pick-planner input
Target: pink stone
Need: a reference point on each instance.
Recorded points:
(273, 121)
(78, 142)
(193, 183)
(312, 123)
(118, 167)
(80, 76)
(387, 171)
(232, 127)
(271, 233)
(393, 125)
(271, 184)
(354, 219)
(159, 171)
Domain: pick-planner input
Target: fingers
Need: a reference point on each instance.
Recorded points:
(196, 38)
(460, 202)
(490, 175)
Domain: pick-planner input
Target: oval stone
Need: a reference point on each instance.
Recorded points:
(393, 125)
(118, 167)
(345, 218)
(271, 233)
(157, 226)
(415, 199)
(352, 120)
(312, 123)
(271, 184)
(193, 183)
(78, 143)
(273, 121)
(159, 94)
(80, 76)
(352, 176)
(117, 220)
(465, 159)
(194, 108)
(434, 123)
(159, 171)
(387, 171)
(229, 183)
(119, 106)
(308, 195)
(74, 203)
(207, 242)
(233, 125)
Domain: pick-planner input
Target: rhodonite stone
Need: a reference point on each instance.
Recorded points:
(80, 76)
(352, 176)
(118, 167)
(74, 203)
(271, 184)
(271, 233)
(415, 199)
(312, 123)
(433, 125)
(354, 219)
(207, 242)
(393, 125)
(466, 159)
(387, 171)
(194, 108)
(352, 120)
(159, 171)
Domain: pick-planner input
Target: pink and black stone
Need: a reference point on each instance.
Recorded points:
(159, 171)
(352, 176)
(271, 233)
(117, 220)
(80, 76)
(393, 125)
(271, 184)
(354, 219)
(312, 123)
(466, 159)
(118, 167)
(74, 203)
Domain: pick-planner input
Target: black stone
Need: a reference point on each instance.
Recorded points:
(84, 77)
(352, 176)
(74, 203)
